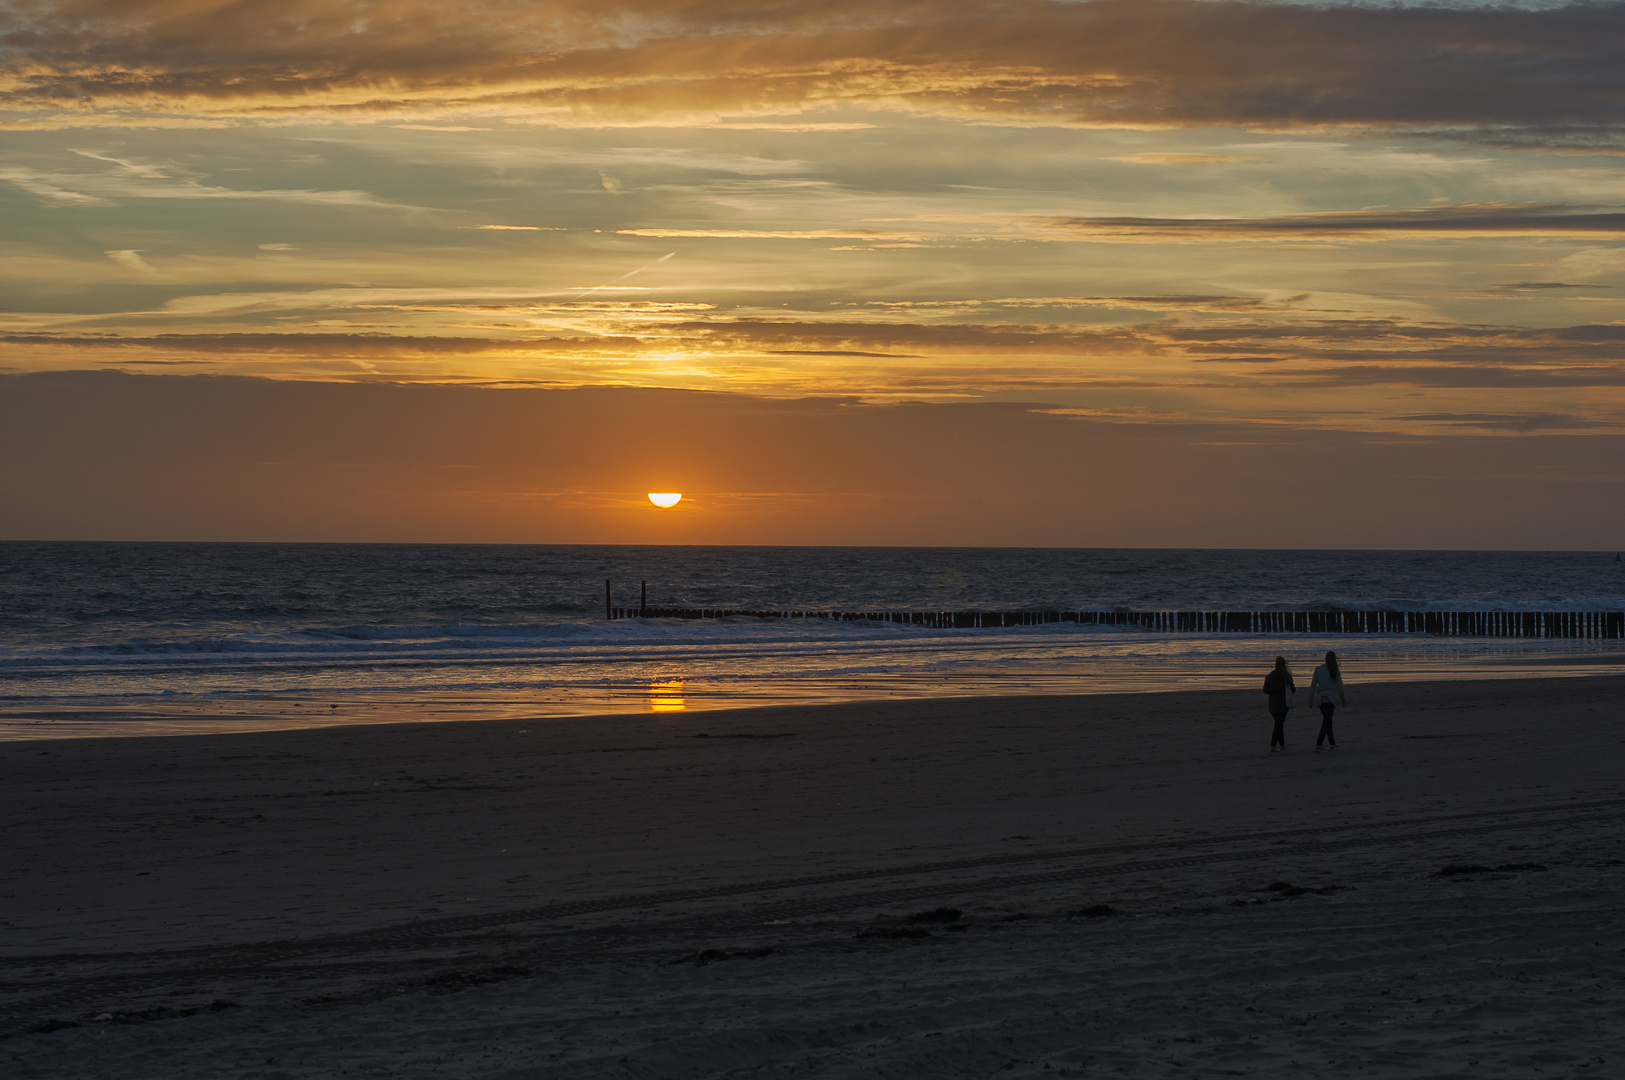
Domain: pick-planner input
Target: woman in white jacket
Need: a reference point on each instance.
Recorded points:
(1326, 691)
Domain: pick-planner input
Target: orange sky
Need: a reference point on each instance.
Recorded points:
(114, 456)
(1130, 233)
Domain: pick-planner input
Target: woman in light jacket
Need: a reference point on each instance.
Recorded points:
(1279, 686)
(1326, 691)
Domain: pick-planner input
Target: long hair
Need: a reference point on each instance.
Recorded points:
(1331, 665)
(1280, 665)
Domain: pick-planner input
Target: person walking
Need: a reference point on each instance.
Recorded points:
(1279, 686)
(1326, 691)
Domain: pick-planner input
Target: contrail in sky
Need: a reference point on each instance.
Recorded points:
(623, 277)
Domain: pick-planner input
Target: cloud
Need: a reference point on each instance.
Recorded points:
(1461, 376)
(36, 184)
(788, 125)
(844, 352)
(1535, 421)
(304, 344)
(1535, 286)
(1179, 159)
(1174, 301)
(131, 260)
(108, 188)
(1284, 350)
(774, 234)
(145, 171)
(1549, 78)
(1130, 415)
(622, 158)
(1462, 221)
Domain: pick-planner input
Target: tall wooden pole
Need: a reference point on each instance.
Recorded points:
(607, 615)
(643, 604)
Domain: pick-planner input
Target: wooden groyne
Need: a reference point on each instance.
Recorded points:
(1505, 624)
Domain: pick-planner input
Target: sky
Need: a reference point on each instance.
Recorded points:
(1175, 252)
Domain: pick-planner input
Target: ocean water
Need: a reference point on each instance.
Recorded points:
(111, 626)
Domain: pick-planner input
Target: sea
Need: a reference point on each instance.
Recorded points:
(160, 638)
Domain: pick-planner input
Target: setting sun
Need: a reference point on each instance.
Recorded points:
(665, 499)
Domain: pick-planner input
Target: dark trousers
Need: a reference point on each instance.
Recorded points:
(1326, 710)
(1278, 737)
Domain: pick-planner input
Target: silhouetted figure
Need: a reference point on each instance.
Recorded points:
(1326, 691)
(1279, 686)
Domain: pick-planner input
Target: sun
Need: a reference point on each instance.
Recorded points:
(665, 499)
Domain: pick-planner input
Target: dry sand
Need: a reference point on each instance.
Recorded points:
(595, 897)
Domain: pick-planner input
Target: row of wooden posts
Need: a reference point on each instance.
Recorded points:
(1517, 624)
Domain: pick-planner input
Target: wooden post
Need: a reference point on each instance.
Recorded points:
(1527, 624)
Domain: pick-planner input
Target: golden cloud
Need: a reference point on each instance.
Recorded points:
(878, 357)
(1548, 77)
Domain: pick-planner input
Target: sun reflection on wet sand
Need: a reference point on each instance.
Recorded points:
(666, 696)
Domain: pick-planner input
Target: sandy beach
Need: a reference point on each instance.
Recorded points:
(1016, 886)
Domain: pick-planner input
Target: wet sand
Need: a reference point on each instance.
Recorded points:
(339, 884)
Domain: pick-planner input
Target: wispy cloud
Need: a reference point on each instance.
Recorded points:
(38, 184)
(304, 344)
(138, 168)
(1170, 302)
(1538, 286)
(773, 234)
(131, 260)
(1485, 219)
(1180, 159)
(504, 155)
(128, 182)
(1521, 422)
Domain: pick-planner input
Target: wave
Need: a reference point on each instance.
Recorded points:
(586, 646)
(541, 638)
